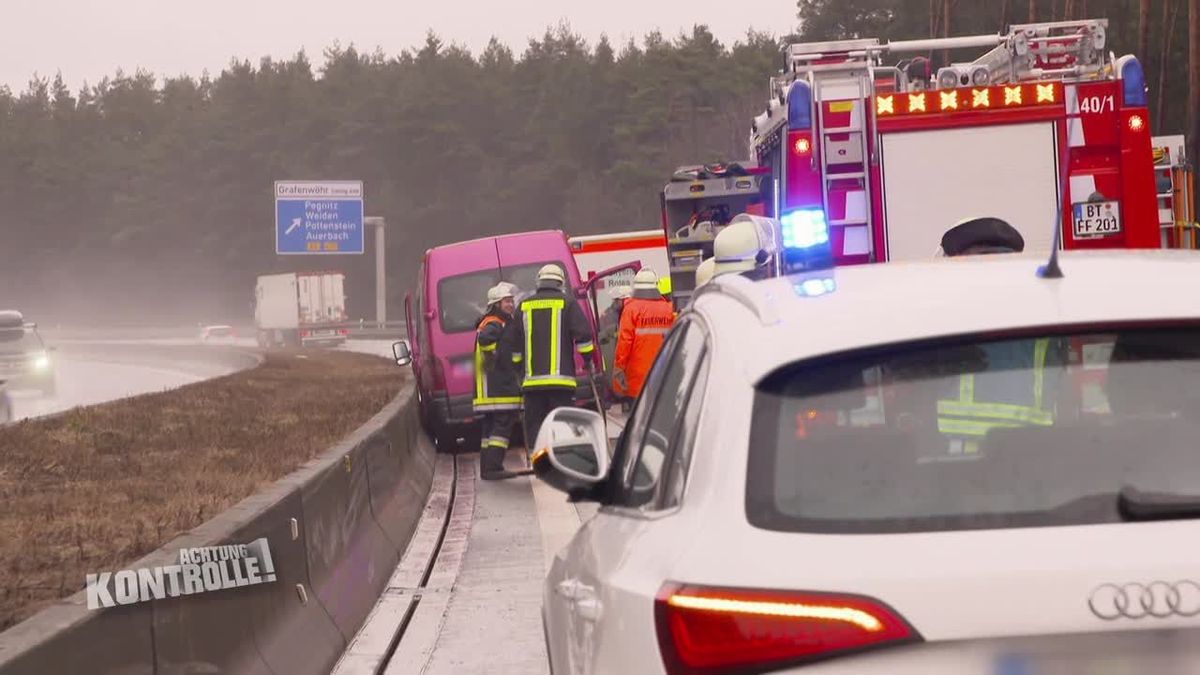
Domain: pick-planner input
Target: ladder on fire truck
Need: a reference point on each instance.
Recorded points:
(843, 77)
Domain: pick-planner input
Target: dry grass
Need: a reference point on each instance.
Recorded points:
(99, 487)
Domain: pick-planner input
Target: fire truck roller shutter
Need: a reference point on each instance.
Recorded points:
(934, 179)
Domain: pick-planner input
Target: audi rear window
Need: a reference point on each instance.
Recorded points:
(1029, 431)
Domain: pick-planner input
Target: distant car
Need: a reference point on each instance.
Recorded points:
(943, 467)
(217, 333)
(25, 360)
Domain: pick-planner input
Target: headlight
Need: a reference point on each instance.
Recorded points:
(42, 362)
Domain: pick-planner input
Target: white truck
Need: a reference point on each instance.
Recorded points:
(300, 309)
(596, 253)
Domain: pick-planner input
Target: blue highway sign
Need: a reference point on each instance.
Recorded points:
(318, 217)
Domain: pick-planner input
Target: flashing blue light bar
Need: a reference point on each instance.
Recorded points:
(799, 100)
(804, 228)
(815, 287)
(1133, 81)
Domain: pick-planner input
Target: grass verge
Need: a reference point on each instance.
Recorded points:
(99, 487)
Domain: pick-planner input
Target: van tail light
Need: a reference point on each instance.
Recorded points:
(305, 333)
(727, 630)
(344, 331)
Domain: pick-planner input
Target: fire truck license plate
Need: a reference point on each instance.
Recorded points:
(1097, 219)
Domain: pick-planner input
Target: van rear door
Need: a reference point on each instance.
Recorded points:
(459, 278)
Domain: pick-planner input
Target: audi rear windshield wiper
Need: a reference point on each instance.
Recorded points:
(1134, 504)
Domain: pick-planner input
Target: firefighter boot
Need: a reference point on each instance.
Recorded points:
(491, 464)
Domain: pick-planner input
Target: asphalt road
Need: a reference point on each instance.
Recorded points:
(88, 383)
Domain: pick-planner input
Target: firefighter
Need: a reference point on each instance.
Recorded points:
(610, 321)
(974, 236)
(664, 286)
(644, 325)
(549, 328)
(497, 384)
(1014, 383)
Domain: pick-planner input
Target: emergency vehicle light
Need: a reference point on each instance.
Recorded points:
(799, 99)
(804, 228)
(1133, 82)
(970, 99)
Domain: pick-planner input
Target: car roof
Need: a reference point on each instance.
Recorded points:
(895, 302)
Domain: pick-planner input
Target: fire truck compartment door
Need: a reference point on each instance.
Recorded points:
(933, 179)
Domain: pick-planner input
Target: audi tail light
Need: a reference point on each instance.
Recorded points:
(727, 630)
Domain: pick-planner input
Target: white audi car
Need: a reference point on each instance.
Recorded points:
(947, 467)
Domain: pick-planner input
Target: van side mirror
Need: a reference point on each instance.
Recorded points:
(402, 352)
(571, 452)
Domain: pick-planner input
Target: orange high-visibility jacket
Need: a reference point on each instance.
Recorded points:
(644, 325)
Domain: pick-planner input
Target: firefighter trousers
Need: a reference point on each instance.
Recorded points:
(538, 405)
(497, 429)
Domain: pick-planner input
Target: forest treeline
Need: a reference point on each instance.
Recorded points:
(149, 199)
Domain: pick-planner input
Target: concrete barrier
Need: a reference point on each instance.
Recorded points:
(336, 528)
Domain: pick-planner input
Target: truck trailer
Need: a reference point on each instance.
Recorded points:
(300, 309)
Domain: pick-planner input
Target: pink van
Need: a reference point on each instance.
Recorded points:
(451, 293)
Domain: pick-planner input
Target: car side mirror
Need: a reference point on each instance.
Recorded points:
(571, 452)
(402, 352)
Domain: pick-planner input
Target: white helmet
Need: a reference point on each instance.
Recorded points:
(737, 247)
(704, 272)
(552, 273)
(645, 280)
(499, 292)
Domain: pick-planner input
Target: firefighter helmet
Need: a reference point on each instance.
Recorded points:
(551, 274)
(645, 280)
(664, 285)
(499, 292)
(739, 248)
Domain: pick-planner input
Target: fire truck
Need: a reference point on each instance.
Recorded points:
(1045, 129)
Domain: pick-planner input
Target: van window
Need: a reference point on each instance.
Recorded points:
(462, 299)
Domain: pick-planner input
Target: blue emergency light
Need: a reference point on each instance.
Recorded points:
(1133, 82)
(804, 228)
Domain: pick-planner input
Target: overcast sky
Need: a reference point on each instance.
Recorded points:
(88, 39)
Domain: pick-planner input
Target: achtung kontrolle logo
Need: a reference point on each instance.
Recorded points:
(209, 568)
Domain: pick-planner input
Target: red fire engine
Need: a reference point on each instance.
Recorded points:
(877, 162)
(894, 156)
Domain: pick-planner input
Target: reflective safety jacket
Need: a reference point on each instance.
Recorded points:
(1011, 394)
(497, 382)
(549, 329)
(644, 325)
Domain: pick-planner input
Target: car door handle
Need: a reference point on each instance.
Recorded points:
(569, 588)
(587, 606)
(582, 597)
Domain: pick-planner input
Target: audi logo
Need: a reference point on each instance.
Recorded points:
(1159, 599)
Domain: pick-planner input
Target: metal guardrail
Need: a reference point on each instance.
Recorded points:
(374, 329)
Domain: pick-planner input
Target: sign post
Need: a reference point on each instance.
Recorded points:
(380, 271)
(319, 217)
